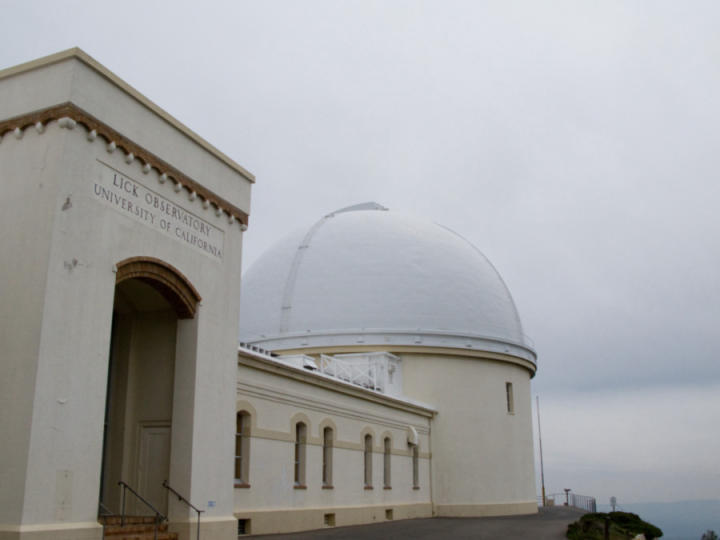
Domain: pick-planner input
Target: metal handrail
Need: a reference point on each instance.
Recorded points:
(104, 510)
(191, 505)
(159, 517)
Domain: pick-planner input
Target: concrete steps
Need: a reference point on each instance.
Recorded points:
(135, 528)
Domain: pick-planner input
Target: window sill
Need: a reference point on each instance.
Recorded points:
(416, 487)
(299, 486)
(387, 487)
(241, 485)
(328, 487)
(368, 487)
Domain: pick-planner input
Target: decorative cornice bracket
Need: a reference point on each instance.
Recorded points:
(68, 115)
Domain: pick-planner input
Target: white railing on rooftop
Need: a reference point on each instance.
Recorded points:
(365, 372)
(379, 371)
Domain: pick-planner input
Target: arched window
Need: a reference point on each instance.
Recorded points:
(386, 463)
(300, 442)
(367, 454)
(242, 449)
(327, 465)
(416, 466)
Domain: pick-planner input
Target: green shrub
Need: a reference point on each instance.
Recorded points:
(622, 526)
(634, 525)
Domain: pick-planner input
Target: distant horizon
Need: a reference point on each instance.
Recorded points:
(619, 503)
(679, 520)
(664, 502)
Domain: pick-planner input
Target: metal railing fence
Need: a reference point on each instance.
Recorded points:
(583, 502)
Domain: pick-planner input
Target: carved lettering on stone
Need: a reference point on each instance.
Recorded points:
(134, 200)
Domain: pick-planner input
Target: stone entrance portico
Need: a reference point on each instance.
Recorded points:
(121, 232)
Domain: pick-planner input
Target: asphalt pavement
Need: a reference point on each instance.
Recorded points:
(548, 524)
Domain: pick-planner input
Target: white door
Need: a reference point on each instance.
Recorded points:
(153, 467)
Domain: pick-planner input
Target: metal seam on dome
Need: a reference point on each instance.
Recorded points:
(289, 289)
(370, 205)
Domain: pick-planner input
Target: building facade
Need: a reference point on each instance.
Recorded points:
(121, 233)
(382, 372)
(417, 324)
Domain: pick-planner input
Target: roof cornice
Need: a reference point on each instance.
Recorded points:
(258, 361)
(80, 55)
(67, 113)
(423, 350)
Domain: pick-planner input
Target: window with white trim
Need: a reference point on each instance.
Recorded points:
(387, 443)
(509, 397)
(300, 451)
(242, 449)
(367, 456)
(327, 456)
(415, 466)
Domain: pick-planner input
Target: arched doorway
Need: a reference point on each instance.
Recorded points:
(150, 298)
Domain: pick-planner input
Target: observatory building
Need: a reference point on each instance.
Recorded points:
(385, 372)
(382, 371)
(121, 233)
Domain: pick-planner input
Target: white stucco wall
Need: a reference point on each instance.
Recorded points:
(482, 454)
(61, 243)
(28, 191)
(274, 401)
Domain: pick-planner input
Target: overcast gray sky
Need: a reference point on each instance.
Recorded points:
(575, 143)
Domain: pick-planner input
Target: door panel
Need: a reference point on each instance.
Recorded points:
(153, 467)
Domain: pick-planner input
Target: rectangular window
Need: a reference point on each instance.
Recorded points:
(238, 448)
(242, 449)
(509, 397)
(386, 463)
(416, 466)
(243, 527)
(300, 440)
(327, 457)
(367, 454)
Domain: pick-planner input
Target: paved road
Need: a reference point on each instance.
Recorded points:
(548, 524)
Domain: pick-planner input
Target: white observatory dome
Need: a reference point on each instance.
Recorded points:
(366, 276)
